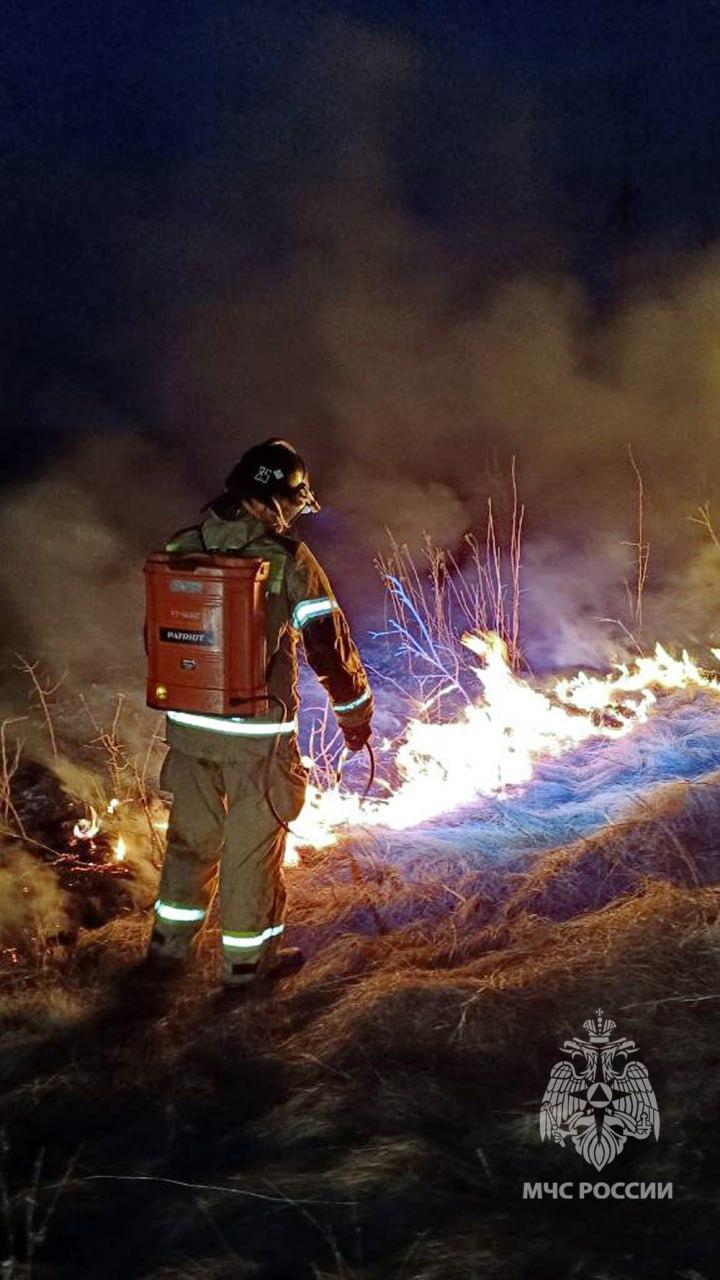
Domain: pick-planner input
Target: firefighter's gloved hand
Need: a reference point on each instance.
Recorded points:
(357, 736)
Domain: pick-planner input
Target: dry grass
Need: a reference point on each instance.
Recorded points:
(429, 604)
(378, 1113)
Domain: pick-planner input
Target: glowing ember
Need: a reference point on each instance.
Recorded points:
(120, 849)
(496, 741)
(87, 828)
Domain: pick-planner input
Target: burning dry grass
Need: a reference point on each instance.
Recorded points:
(378, 1113)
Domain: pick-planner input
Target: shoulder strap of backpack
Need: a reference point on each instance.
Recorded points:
(190, 528)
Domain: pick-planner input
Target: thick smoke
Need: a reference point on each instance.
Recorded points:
(73, 590)
(32, 905)
(301, 290)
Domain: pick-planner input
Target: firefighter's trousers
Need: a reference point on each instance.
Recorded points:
(220, 816)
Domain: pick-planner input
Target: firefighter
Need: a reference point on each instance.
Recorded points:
(235, 780)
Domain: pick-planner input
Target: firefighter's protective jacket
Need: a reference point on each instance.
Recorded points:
(299, 603)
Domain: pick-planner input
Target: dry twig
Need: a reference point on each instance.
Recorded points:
(642, 548)
(30, 669)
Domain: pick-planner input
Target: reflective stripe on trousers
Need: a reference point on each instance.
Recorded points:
(178, 914)
(220, 819)
(245, 954)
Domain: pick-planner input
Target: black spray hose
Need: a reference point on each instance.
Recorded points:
(371, 779)
(268, 762)
(271, 756)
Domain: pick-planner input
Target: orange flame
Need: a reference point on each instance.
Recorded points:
(496, 741)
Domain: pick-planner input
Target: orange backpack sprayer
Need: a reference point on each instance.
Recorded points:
(205, 634)
(206, 639)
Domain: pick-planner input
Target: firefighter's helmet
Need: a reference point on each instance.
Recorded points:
(273, 469)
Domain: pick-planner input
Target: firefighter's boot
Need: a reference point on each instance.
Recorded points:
(277, 960)
(283, 961)
(257, 976)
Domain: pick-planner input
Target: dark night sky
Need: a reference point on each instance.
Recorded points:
(630, 87)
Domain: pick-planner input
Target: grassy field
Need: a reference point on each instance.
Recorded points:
(376, 1115)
